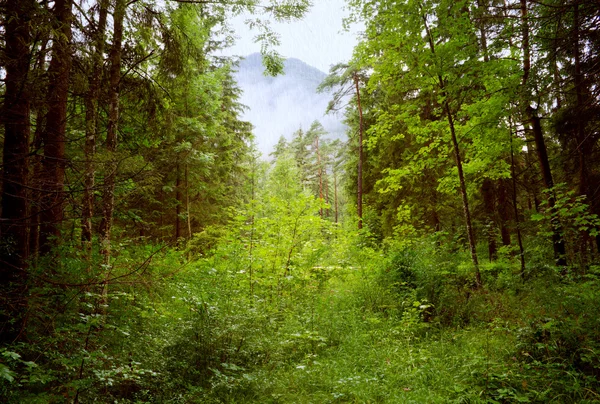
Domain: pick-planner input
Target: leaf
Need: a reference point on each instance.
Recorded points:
(537, 217)
(11, 355)
(6, 373)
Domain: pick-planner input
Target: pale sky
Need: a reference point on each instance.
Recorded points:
(318, 39)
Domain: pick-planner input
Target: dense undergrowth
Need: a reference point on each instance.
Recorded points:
(345, 323)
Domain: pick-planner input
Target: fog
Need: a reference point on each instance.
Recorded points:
(283, 104)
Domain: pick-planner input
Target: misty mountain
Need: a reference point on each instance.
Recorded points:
(283, 104)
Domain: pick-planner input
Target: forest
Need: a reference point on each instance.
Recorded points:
(446, 251)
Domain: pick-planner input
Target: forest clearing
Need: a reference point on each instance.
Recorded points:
(446, 249)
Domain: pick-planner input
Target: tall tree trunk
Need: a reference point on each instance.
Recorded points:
(177, 204)
(108, 199)
(320, 174)
(501, 190)
(581, 138)
(327, 211)
(540, 148)
(459, 167)
(35, 161)
(540, 144)
(584, 146)
(335, 195)
(91, 127)
(15, 116)
(487, 192)
(35, 183)
(187, 202)
(359, 188)
(463, 192)
(53, 162)
(503, 214)
(513, 175)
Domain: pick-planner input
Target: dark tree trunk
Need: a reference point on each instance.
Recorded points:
(15, 115)
(540, 147)
(35, 183)
(579, 90)
(503, 214)
(459, 167)
(540, 144)
(487, 191)
(108, 199)
(514, 202)
(177, 204)
(53, 161)
(91, 127)
(187, 202)
(463, 193)
(35, 161)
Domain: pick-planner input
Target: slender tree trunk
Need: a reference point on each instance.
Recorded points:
(463, 193)
(35, 194)
(35, 161)
(108, 199)
(320, 174)
(359, 188)
(515, 206)
(487, 192)
(482, 33)
(327, 211)
(15, 116)
(540, 145)
(335, 195)
(91, 127)
(540, 148)
(187, 202)
(503, 214)
(583, 144)
(54, 138)
(501, 190)
(177, 204)
(457, 158)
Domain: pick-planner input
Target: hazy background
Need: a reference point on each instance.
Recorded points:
(281, 105)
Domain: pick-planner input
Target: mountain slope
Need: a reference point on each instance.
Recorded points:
(283, 104)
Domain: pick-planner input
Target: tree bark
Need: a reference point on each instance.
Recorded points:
(581, 138)
(503, 215)
(335, 195)
(513, 175)
(15, 115)
(463, 193)
(177, 203)
(108, 199)
(91, 127)
(487, 192)
(458, 160)
(540, 144)
(187, 202)
(54, 137)
(540, 148)
(359, 188)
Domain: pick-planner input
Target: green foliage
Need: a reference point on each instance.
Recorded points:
(273, 301)
(570, 215)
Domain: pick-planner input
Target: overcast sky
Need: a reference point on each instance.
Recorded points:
(318, 39)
